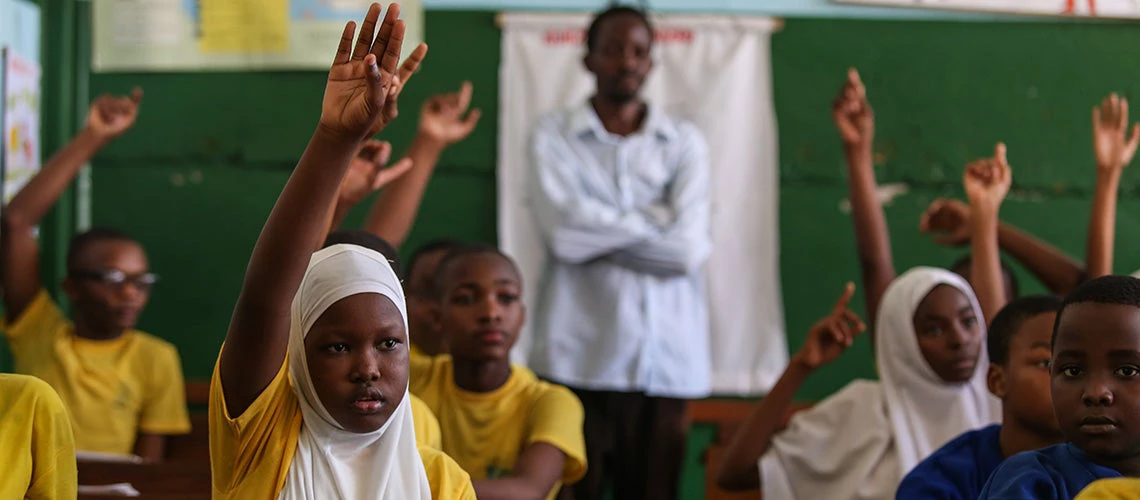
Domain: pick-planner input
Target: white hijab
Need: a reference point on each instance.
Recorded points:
(861, 441)
(332, 463)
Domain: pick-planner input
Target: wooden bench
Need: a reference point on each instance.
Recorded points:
(169, 480)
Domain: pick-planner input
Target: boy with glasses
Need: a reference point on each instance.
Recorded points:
(122, 388)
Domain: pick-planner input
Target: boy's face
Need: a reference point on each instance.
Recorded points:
(421, 300)
(1096, 379)
(481, 309)
(620, 60)
(109, 307)
(358, 360)
(949, 334)
(1024, 377)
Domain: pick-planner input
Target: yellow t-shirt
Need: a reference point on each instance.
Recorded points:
(425, 424)
(486, 432)
(112, 389)
(1121, 488)
(36, 446)
(250, 454)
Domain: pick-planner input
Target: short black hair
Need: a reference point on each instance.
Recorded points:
(1006, 270)
(1009, 319)
(461, 252)
(1118, 290)
(592, 33)
(362, 238)
(432, 246)
(82, 241)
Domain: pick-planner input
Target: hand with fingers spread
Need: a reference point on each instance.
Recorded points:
(852, 113)
(987, 181)
(369, 171)
(363, 84)
(832, 335)
(1113, 146)
(949, 219)
(109, 116)
(442, 118)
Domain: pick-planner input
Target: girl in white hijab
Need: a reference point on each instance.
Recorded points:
(858, 443)
(309, 397)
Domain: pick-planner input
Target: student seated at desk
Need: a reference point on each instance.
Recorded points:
(1018, 346)
(309, 396)
(37, 451)
(517, 436)
(122, 388)
(1095, 383)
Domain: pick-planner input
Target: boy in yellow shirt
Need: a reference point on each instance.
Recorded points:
(309, 395)
(517, 436)
(122, 388)
(36, 447)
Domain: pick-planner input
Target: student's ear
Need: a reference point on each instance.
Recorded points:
(995, 380)
(586, 63)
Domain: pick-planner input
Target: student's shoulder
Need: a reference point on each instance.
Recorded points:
(14, 386)
(1029, 474)
(956, 470)
(151, 345)
(541, 390)
(446, 478)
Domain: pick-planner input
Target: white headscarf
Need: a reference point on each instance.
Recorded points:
(860, 442)
(926, 412)
(332, 463)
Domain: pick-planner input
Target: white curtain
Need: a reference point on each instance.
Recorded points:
(715, 71)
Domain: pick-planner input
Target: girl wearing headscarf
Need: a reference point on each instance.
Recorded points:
(309, 395)
(929, 333)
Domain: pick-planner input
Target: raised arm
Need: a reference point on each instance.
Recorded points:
(444, 121)
(987, 182)
(536, 471)
(359, 101)
(107, 118)
(367, 173)
(828, 338)
(1114, 151)
(685, 242)
(576, 226)
(949, 220)
(856, 123)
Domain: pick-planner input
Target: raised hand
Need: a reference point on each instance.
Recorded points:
(411, 64)
(852, 113)
(1110, 123)
(363, 84)
(109, 116)
(950, 219)
(369, 171)
(442, 116)
(987, 180)
(832, 334)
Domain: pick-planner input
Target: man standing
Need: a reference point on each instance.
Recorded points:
(620, 194)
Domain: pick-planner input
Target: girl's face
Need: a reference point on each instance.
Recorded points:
(358, 360)
(950, 335)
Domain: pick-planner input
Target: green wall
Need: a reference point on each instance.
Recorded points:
(196, 177)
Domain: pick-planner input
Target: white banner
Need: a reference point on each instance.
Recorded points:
(716, 72)
(21, 122)
(1124, 9)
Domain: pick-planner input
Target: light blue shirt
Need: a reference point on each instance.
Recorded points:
(625, 221)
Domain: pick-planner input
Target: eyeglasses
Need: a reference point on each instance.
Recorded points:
(117, 278)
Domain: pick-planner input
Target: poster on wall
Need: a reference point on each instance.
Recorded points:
(193, 35)
(1123, 9)
(21, 122)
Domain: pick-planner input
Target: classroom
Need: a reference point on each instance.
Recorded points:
(203, 227)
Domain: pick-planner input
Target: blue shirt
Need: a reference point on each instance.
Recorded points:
(625, 222)
(958, 470)
(1059, 471)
